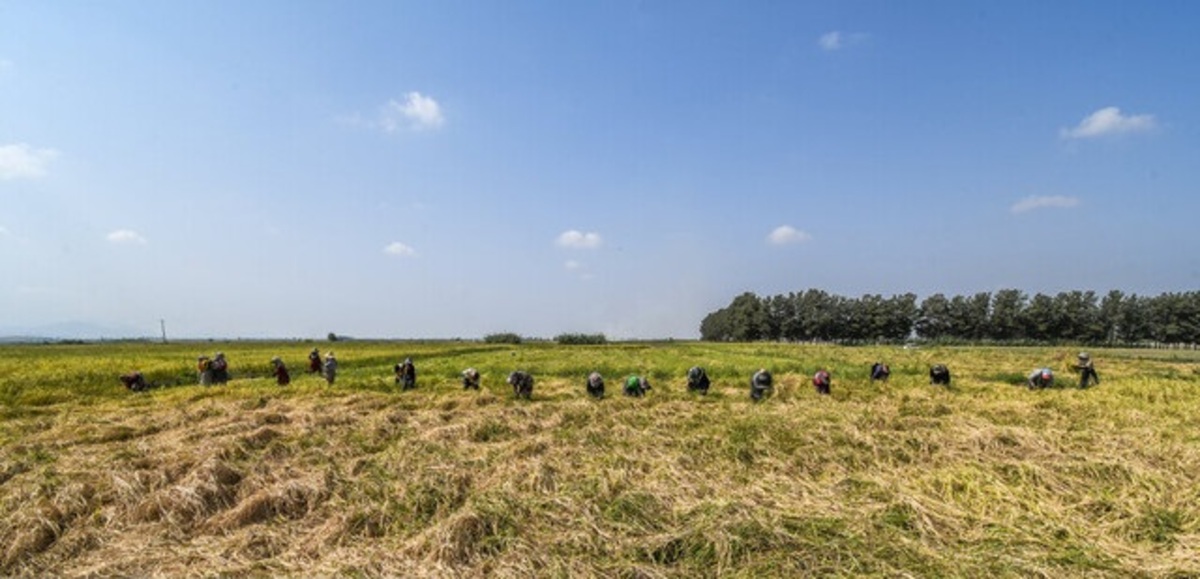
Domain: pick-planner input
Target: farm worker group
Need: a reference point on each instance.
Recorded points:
(215, 370)
(1044, 377)
(406, 374)
(634, 385)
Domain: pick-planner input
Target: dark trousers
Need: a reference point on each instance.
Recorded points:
(1088, 375)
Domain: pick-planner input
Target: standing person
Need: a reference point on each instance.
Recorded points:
(1087, 371)
(823, 382)
(636, 385)
(939, 374)
(205, 370)
(522, 383)
(761, 385)
(220, 369)
(697, 380)
(595, 385)
(134, 381)
(314, 361)
(470, 378)
(281, 372)
(329, 370)
(880, 371)
(406, 374)
(1041, 378)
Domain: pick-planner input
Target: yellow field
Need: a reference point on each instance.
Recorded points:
(987, 478)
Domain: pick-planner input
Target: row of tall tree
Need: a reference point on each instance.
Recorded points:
(1006, 316)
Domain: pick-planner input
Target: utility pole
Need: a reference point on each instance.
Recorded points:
(163, 324)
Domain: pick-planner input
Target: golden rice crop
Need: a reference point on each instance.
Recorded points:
(879, 479)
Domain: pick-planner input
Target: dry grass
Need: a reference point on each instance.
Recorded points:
(900, 479)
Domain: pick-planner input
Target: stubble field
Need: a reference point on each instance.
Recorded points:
(986, 478)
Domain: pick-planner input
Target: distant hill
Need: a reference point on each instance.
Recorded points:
(22, 339)
(71, 330)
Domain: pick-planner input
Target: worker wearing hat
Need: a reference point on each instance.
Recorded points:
(406, 374)
(1041, 378)
(314, 361)
(470, 379)
(761, 385)
(330, 368)
(281, 372)
(1087, 371)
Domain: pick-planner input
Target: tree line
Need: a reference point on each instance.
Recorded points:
(1008, 315)
(569, 339)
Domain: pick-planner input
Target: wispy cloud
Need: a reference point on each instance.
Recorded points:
(786, 234)
(125, 236)
(21, 161)
(399, 249)
(837, 40)
(6, 233)
(416, 111)
(579, 240)
(578, 270)
(1040, 202)
(1109, 121)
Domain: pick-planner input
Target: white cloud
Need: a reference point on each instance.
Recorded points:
(399, 249)
(830, 40)
(22, 161)
(125, 236)
(579, 240)
(837, 40)
(1109, 121)
(786, 234)
(417, 112)
(1039, 202)
(578, 270)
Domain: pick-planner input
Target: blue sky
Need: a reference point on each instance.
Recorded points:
(452, 169)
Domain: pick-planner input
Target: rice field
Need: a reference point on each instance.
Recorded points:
(985, 478)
